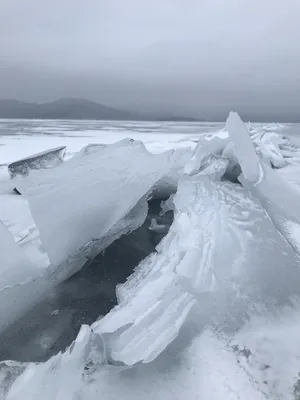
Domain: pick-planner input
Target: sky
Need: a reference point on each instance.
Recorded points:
(164, 57)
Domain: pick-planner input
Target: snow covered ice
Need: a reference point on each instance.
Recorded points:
(211, 313)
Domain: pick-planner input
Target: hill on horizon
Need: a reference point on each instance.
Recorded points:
(71, 108)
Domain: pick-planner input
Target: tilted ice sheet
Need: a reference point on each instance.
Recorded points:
(83, 199)
(39, 282)
(243, 147)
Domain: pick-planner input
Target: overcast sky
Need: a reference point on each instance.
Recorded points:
(187, 57)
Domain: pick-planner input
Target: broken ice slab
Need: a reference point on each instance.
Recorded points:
(204, 150)
(79, 209)
(167, 185)
(46, 159)
(244, 148)
(278, 197)
(31, 284)
(84, 199)
(18, 278)
(271, 154)
(15, 267)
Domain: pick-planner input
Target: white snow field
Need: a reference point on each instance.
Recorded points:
(213, 313)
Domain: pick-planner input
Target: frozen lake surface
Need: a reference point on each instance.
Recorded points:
(209, 303)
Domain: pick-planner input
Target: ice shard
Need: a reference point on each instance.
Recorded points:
(167, 185)
(167, 205)
(271, 154)
(46, 159)
(79, 204)
(18, 278)
(243, 147)
(278, 197)
(15, 267)
(204, 150)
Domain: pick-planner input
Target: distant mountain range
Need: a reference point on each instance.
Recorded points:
(71, 109)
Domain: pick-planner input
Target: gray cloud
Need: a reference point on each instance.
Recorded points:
(183, 56)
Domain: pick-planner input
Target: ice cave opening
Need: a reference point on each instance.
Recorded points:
(53, 324)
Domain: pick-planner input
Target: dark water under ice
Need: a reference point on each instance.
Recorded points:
(53, 324)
